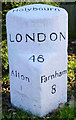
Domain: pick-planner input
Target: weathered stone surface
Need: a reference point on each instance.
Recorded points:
(37, 37)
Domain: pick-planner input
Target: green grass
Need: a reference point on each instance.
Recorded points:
(66, 113)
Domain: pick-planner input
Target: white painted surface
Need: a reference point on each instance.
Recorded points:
(37, 86)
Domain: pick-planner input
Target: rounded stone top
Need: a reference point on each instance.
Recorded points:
(36, 11)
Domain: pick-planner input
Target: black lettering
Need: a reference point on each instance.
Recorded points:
(20, 37)
(52, 76)
(33, 39)
(21, 9)
(40, 58)
(56, 74)
(60, 74)
(43, 78)
(38, 35)
(47, 9)
(51, 8)
(27, 9)
(10, 38)
(22, 77)
(53, 34)
(12, 73)
(35, 9)
(40, 9)
(61, 35)
(15, 10)
(32, 58)
(27, 79)
(16, 73)
(64, 72)
(49, 77)
(58, 9)
(53, 89)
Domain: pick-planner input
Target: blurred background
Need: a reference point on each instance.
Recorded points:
(71, 81)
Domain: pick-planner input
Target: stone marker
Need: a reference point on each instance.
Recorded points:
(37, 37)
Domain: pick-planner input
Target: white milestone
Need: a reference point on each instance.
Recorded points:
(37, 37)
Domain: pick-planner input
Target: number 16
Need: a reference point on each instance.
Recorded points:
(39, 58)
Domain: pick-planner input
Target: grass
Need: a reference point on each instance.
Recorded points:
(63, 112)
